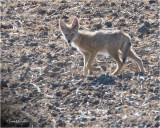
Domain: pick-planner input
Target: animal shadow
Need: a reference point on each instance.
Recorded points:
(104, 79)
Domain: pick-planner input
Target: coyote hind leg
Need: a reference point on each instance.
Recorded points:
(119, 62)
(133, 56)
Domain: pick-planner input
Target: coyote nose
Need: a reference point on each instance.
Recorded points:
(69, 41)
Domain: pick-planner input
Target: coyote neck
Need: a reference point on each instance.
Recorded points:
(77, 39)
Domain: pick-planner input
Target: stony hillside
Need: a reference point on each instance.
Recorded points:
(41, 77)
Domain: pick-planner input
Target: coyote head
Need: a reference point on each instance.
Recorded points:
(69, 31)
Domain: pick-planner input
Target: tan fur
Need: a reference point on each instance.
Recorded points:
(92, 43)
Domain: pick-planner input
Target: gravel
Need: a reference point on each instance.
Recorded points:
(41, 77)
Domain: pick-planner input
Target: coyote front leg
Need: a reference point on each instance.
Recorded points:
(86, 57)
(90, 61)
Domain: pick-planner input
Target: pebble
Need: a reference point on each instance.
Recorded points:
(108, 24)
(97, 26)
(49, 55)
(42, 11)
(24, 59)
(143, 30)
(60, 123)
(52, 45)
(32, 44)
(58, 93)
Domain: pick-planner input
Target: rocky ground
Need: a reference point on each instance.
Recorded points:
(41, 78)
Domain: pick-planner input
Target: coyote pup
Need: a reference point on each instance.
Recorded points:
(91, 43)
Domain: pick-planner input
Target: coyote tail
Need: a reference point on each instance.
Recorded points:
(125, 49)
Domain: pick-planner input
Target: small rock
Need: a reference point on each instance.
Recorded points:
(143, 30)
(115, 14)
(96, 102)
(24, 59)
(25, 99)
(4, 83)
(133, 124)
(119, 121)
(155, 24)
(123, 4)
(135, 18)
(13, 85)
(14, 39)
(52, 45)
(122, 24)
(39, 78)
(56, 69)
(149, 124)
(84, 119)
(90, 78)
(147, 7)
(154, 98)
(140, 36)
(65, 86)
(58, 93)
(33, 44)
(53, 74)
(113, 4)
(87, 4)
(82, 125)
(98, 26)
(40, 62)
(49, 55)
(151, 90)
(61, 123)
(55, 103)
(152, 1)
(86, 11)
(55, 84)
(43, 34)
(61, 115)
(135, 9)
(67, 101)
(147, 24)
(144, 123)
(53, 114)
(47, 19)
(51, 12)
(41, 11)
(6, 26)
(156, 125)
(157, 118)
(108, 24)
(93, 119)
(97, 14)
(60, 64)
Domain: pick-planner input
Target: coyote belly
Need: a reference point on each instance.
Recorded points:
(89, 44)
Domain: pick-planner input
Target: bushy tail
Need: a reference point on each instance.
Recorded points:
(125, 50)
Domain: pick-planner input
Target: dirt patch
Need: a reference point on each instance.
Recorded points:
(41, 78)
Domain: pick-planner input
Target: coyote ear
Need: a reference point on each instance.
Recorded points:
(62, 25)
(75, 23)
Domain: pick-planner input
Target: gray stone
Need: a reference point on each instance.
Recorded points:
(143, 30)
(108, 24)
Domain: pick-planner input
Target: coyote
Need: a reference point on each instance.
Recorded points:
(89, 44)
